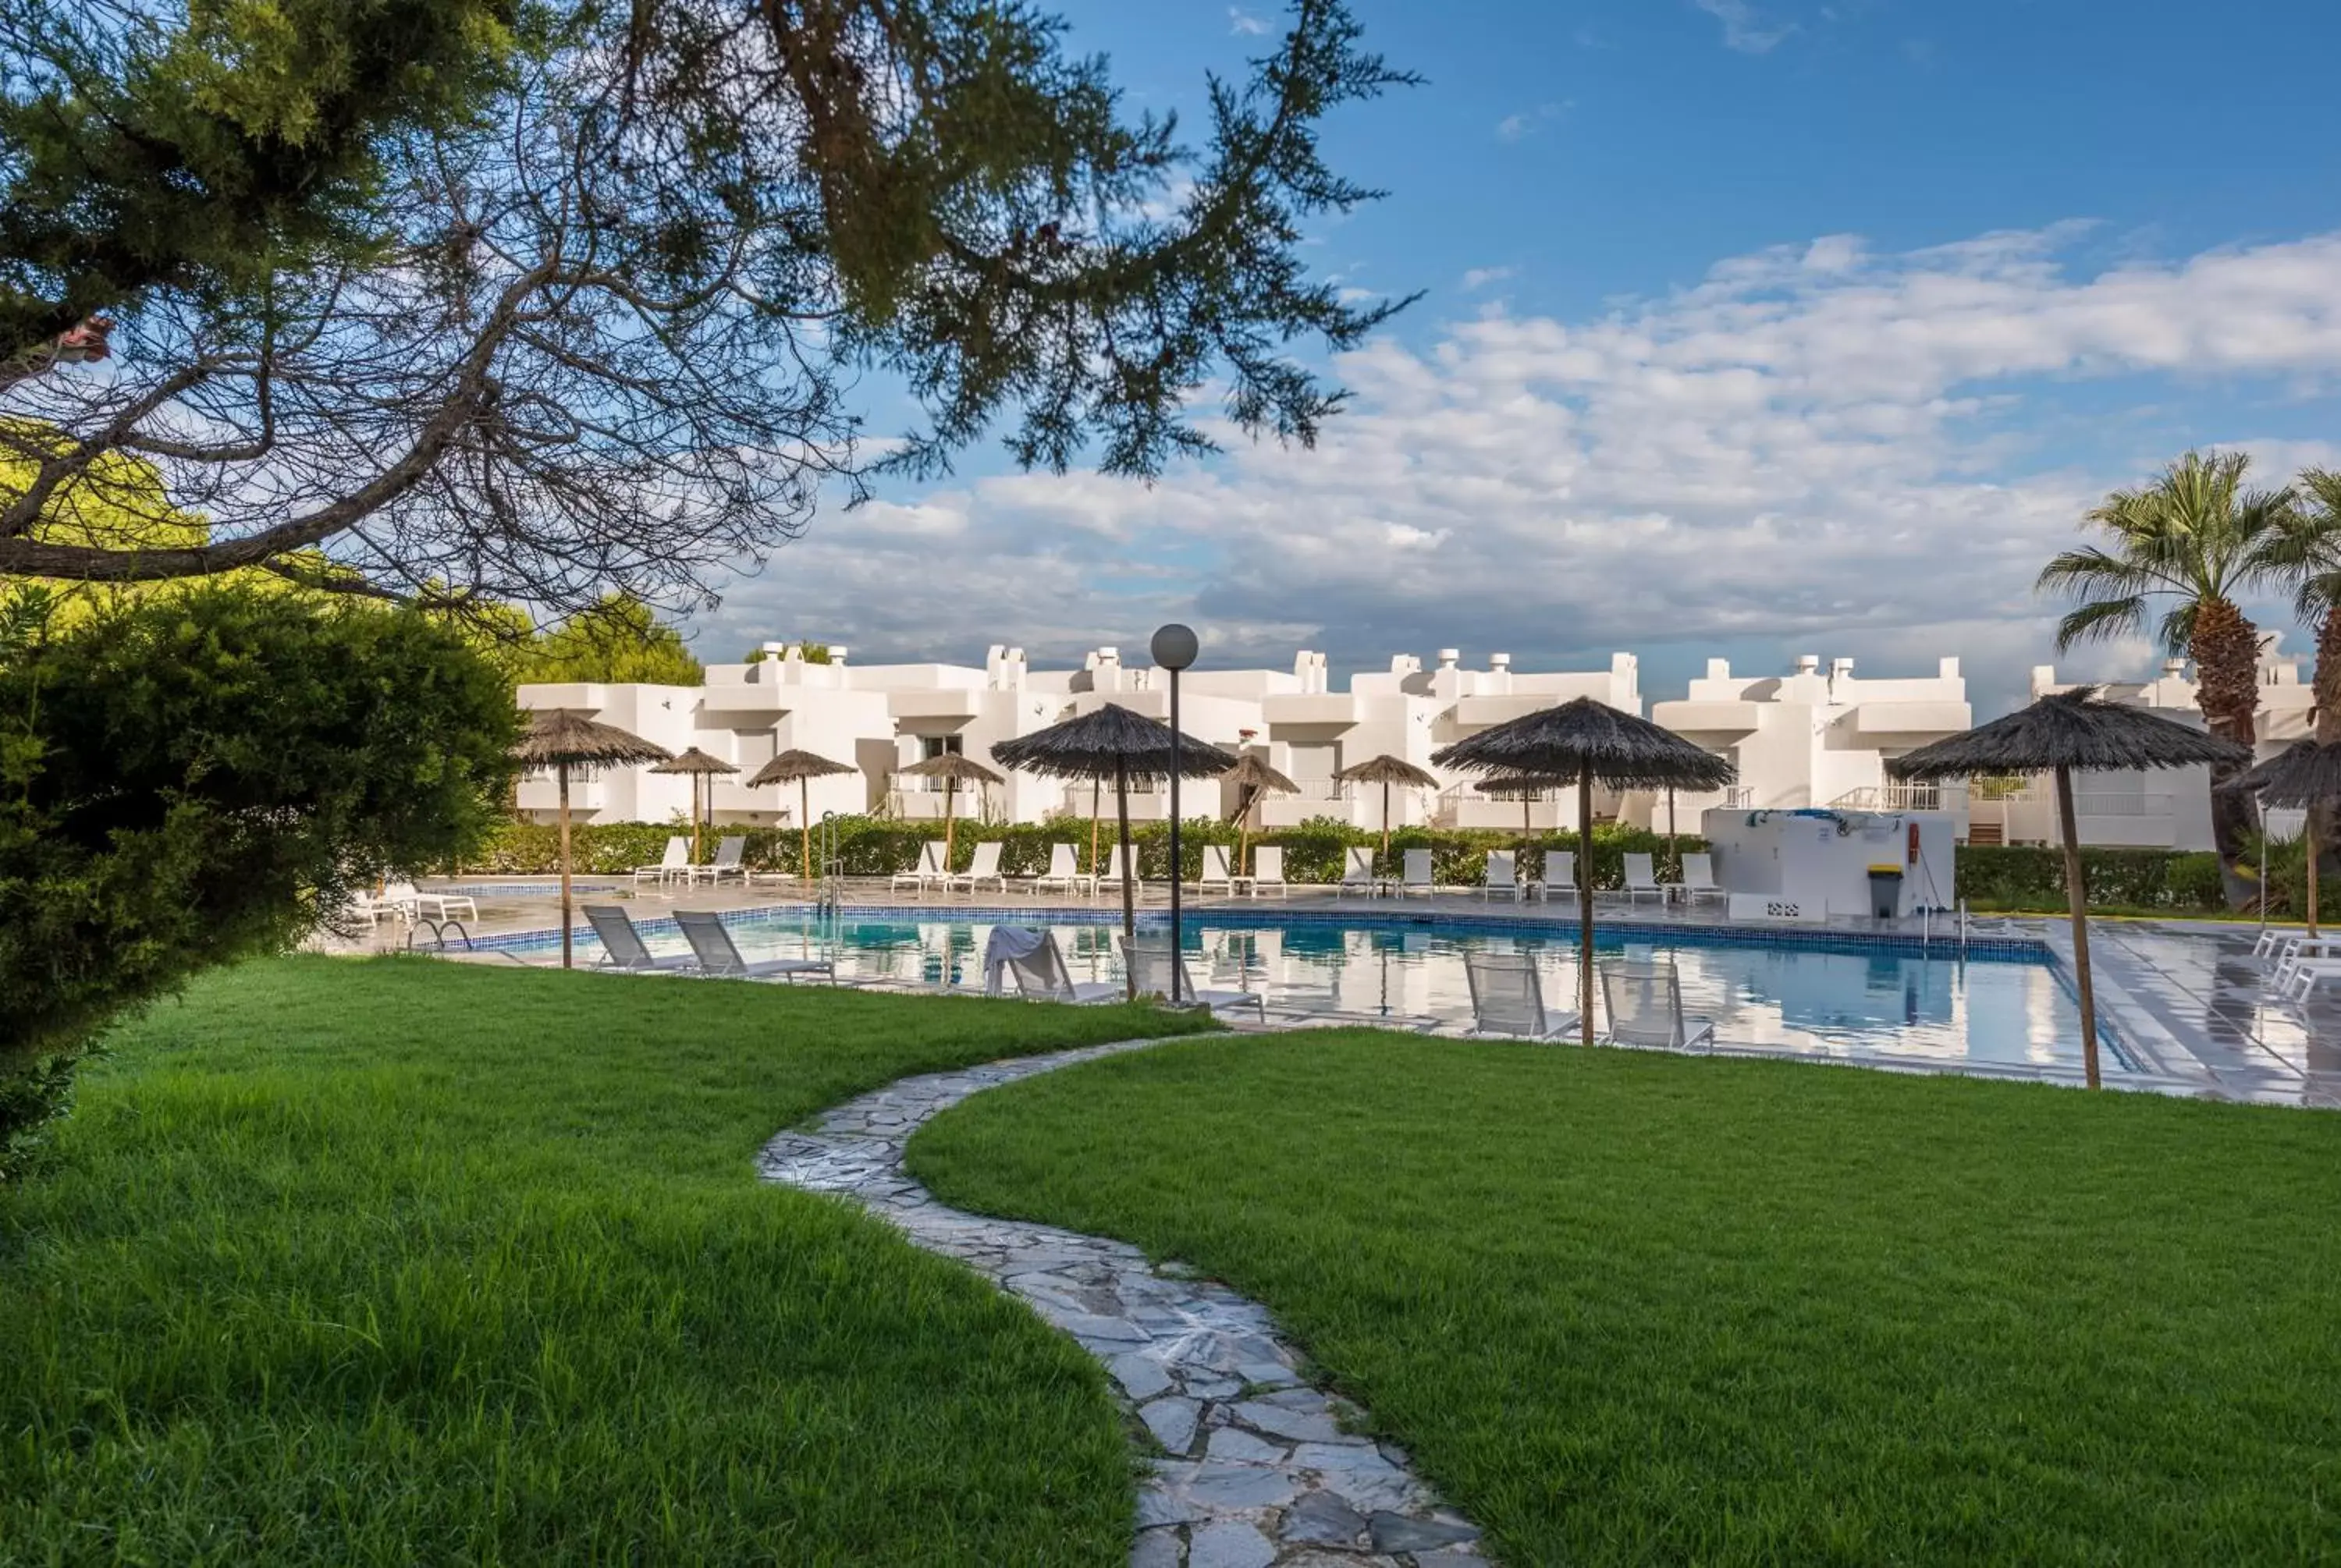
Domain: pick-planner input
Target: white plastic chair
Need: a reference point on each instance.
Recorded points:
(984, 867)
(1268, 870)
(1641, 878)
(1502, 877)
(1644, 1006)
(1559, 874)
(1698, 879)
(1064, 871)
(1414, 875)
(1507, 997)
(1123, 865)
(1357, 871)
(676, 862)
(1149, 957)
(1216, 871)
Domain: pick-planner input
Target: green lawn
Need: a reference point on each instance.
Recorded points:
(1629, 1308)
(399, 1261)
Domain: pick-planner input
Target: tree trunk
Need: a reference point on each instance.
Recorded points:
(2324, 686)
(2226, 652)
(2076, 899)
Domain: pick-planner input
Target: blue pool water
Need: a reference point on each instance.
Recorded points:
(2006, 1008)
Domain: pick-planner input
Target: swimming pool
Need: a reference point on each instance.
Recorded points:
(1802, 993)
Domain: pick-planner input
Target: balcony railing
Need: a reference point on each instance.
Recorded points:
(1892, 797)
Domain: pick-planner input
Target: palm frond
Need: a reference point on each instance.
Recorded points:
(2101, 618)
(2179, 627)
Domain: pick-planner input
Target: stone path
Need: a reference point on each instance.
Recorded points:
(1257, 1469)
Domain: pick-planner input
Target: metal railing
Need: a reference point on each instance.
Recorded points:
(1896, 796)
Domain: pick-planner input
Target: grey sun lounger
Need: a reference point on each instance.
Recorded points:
(622, 946)
(1150, 960)
(720, 956)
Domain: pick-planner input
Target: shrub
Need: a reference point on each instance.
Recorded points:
(195, 777)
(2014, 876)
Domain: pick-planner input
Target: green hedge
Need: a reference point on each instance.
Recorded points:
(2011, 877)
(875, 846)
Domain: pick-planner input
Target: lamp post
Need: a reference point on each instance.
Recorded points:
(1174, 649)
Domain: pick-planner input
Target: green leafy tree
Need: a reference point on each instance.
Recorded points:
(571, 300)
(2192, 541)
(619, 640)
(192, 780)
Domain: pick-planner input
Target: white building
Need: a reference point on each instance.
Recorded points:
(1801, 739)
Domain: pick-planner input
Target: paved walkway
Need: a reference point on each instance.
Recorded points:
(1256, 1468)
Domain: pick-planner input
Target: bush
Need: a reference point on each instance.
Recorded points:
(196, 778)
(2012, 876)
(879, 846)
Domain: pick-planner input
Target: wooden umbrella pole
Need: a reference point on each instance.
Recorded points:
(2077, 895)
(563, 770)
(951, 793)
(1129, 895)
(1095, 812)
(1585, 905)
(804, 827)
(1385, 819)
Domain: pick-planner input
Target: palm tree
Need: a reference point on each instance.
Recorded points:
(2308, 556)
(2195, 538)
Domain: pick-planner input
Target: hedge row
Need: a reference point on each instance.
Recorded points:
(874, 846)
(2013, 876)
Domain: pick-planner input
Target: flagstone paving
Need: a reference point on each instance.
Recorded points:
(1255, 1468)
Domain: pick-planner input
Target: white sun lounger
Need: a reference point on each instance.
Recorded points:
(726, 863)
(675, 863)
(1559, 874)
(389, 907)
(1039, 972)
(1120, 865)
(1149, 958)
(622, 946)
(929, 871)
(1064, 871)
(1641, 878)
(720, 956)
(1644, 1004)
(984, 867)
(1268, 870)
(1502, 879)
(1216, 871)
(1357, 871)
(438, 906)
(1507, 997)
(1414, 874)
(1698, 879)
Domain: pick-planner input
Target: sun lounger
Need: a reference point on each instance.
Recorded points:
(726, 863)
(437, 906)
(1502, 880)
(676, 862)
(718, 957)
(389, 907)
(1414, 875)
(1641, 878)
(1559, 874)
(1216, 872)
(1507, 997)
(929, 871)
(1268, 870)
(1149, 958)
(1120, 865)
(1037, 964)
(1064, 871)
(984, 867)
(1698, 879)
(622, 946)
(1644, 1006)
(1357, 872)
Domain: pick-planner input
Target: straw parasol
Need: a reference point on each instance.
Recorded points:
(1526, 789)
(1585, 742)
(1113, 742)
(1387, 770)
(2057, 734)
(699, 765)
(954, 770)
(1253, 776)
(800, 768)
(2304, 774)
(561, 739)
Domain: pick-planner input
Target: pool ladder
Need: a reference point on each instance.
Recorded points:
(831, 896)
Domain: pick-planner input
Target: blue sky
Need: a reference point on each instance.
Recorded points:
(1749, 329)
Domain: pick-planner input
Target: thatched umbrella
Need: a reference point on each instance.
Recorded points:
(800, 768)
(699, 765)
(1253, 776)
(1387, 770)
(2057, 734)
(1584, 742)
(1526, 789)
(1113, 742)
(561, 739)
(954, 770)
(2304, 774)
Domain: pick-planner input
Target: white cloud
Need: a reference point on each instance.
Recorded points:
(1514, 127)
(1744, 28)
(1814, 448)
(1480, 277)
(1244, 21)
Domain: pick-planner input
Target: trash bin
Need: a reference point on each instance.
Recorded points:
(1885, 891)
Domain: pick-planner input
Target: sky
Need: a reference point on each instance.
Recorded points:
(1748, 329)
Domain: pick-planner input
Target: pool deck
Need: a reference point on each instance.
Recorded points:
(2185, 999)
